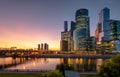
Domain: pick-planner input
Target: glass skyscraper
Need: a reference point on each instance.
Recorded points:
(104, 17)
(110, 32)
(115, 34)
(91, 44)
(114, 30)
(71, 44)
(81, 32)
(64, 38)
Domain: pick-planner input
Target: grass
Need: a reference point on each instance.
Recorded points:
(19, 75)
(89, 75)
(38, 75)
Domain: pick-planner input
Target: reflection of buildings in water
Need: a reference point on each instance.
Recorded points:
(22, 60)
(84, 65)
(7, 60)
(34, 63)
(80, 64)
(69, 61)
(24, 67)
(62, 60)
(91, 65)
(65, 60)
(81, 61)
(89, 61)
(18, 60)
(46, 60)
(76, 61)
(42, 60)
(98, 63)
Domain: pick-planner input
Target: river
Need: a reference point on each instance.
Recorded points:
(46, 64)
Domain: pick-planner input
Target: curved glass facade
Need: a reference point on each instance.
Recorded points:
(81, 32)
(80, 39)
(81, 12)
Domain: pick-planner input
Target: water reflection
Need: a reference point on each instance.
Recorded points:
(9, 61)
(38, 64)
(78, 64)
(83, 64)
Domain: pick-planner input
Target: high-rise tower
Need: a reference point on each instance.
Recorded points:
(65, 26)
(64, 38)
(81, 32)
(38, 47)
(104, 17)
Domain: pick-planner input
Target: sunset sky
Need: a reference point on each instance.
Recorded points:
(25, 23)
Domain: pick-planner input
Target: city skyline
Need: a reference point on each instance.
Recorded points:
(26, 23)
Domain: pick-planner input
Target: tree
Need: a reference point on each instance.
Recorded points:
(55, 73)
(111, 67)
(63, 67)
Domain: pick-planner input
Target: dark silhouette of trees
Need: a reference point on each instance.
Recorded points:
(111, 67)
(63, 67)
(52, 74)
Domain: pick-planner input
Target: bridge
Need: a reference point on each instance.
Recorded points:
(21, 52)
(39, 54)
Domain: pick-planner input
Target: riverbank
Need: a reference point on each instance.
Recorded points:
(62, 56)
(67, 56)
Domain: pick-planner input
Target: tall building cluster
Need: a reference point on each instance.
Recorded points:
(77, 38)
(107, 33)
(43, 47)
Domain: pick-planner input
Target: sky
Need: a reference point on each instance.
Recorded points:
(26, 23)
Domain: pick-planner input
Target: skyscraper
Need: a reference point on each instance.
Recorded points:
(115, 35)
(73, 24)
(38, 47)
(64, 38)
(65, 26)
(46, 46)
(104, 17)
(42, 46)
(114, 30)
(99, 37)
(107, 32)
(71, 44)
(81, 32)
(98, 33)
(91, 44)
(102, 31)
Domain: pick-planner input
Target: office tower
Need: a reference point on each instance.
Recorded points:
(64, 45)
(114, 30)
(42, 46)
(102, 31)
(64, 41)
(71, 44)
(81, 32)
(91, 44)
(38, 47)
(110, 32)
(98, 36)
(64, 38)
(65, 26)
(45, 46)
(115, 35)
(73, 24)
(104, 17)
